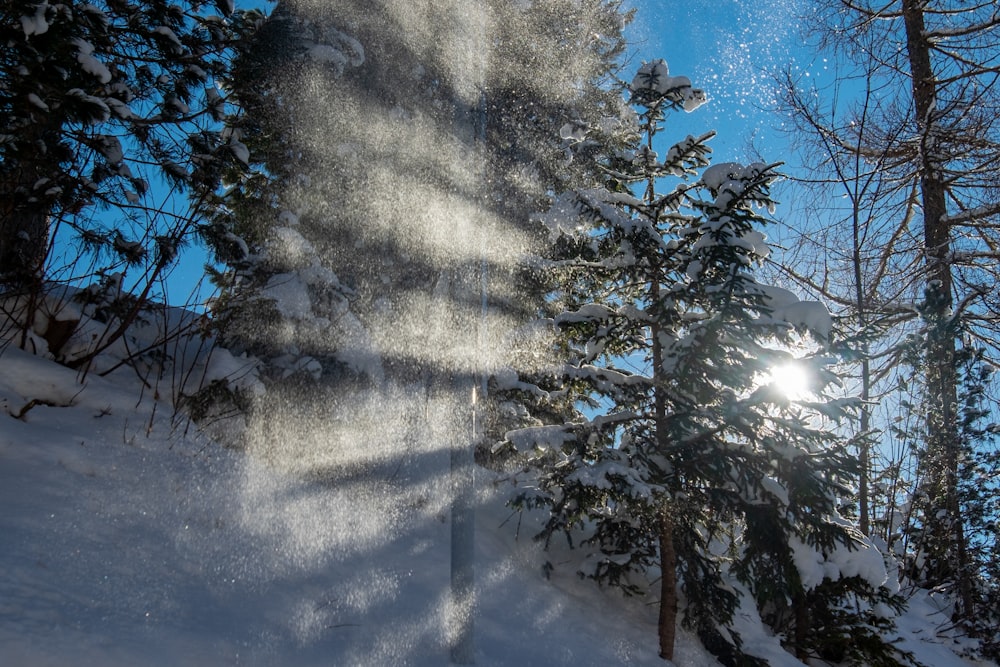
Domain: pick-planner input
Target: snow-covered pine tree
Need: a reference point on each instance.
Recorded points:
(100, 101)
(92, 93)
(280, 301)
(926, 544)
(682, 456)
(540, 123)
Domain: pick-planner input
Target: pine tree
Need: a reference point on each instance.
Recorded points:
(91, 91)
(682, 457)
(280, 301)
(100, 101)
(930, 554)
(409, 173)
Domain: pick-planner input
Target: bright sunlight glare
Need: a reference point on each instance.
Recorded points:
(791, 378)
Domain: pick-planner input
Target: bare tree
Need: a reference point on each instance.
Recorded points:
(916, 153)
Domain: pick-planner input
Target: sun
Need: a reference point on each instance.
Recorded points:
(792, 379)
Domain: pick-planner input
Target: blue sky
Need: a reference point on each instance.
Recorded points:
(728, 48)
(731, 49)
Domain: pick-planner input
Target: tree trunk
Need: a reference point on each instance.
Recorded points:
(943, 442)
(23, 243)
(24, 214)
(24, 232)
(864, 448)
(667, 625)
(800, 608)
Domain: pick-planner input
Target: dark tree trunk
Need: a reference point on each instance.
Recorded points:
(943, 442)
(800, 608)
(667, 625)
(23, 242)
(24, 214)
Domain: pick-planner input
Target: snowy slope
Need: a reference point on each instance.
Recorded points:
(122, 547)
(125, 541)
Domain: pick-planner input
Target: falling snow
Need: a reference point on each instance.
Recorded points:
(130, 539)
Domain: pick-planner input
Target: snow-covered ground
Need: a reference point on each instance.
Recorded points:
(126, 539)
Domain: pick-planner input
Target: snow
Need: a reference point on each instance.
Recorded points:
(121, 109)
(128, 543)
(37, 101)
(730, 176)
(547, 437)
(289, 244)
(90, 64)
(339, 52)
(861, 559)
(103, 111)
(573, 133)
(240, 151)
(240, 371)
(290, 296)
(288, 219)
(586, 313)
(130, 538)
(325, 53)
(169, 35)
(111, 148)
(36, 23)
(811, 316)
(654, 78)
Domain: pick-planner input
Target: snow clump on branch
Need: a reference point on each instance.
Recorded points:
(653, 83)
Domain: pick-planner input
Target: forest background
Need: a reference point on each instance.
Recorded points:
(896, 124)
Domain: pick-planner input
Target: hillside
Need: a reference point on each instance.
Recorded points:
(130, 539)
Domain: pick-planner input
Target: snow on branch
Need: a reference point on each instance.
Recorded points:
(653, 84)
(972, 215)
